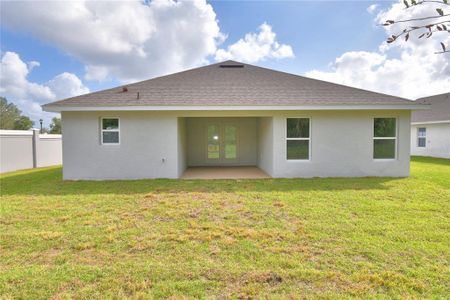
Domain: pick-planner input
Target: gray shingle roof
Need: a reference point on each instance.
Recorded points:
(439, 109)
(215, 84)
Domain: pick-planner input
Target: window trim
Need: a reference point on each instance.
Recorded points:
(286, 139)
(109, 130)
(419, 137)
(385, 138)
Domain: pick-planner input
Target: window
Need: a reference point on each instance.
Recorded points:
(110, 131)
(421, 137)
(384, 138)
(297, 138)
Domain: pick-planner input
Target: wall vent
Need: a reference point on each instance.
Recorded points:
(231, 66)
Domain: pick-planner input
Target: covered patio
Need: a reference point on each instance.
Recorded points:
(225, 147)
(235, 172)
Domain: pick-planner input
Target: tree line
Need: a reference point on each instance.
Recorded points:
(11, 118)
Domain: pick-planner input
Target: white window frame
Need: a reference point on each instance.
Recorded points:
(421, 137)
(384, 138)
(109, 130)
(297, 139)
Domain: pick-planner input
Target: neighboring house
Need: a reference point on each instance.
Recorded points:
(234, 114)
(430, 129)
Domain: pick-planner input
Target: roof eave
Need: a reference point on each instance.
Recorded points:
(429, 122)
(56, 108)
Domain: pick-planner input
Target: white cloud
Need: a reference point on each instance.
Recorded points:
(408, 76)
(15, 86)
(255, 47)
(127, 40)
(372, 8)
(32, 65)
(408, 69)
(13, 79)
(398, 12)
(67, 85)
(134, 40)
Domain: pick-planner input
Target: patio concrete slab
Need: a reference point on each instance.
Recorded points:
(224, 173)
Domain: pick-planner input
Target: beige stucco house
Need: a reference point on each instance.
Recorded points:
(234, 114)
(430, 129)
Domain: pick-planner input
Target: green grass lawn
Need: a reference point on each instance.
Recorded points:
(358, 237)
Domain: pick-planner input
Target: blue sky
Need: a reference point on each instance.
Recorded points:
(332, 40)
(53, 60)
(318, 31)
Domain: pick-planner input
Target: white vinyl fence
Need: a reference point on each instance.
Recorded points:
(26, 149)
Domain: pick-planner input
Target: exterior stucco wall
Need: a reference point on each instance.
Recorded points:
(265, 145)
(437, 140)
(152, 144)
(148, 146)
(182, 146)
(197, 135)
(341, 145)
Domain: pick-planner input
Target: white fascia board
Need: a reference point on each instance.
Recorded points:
(50, 108)
(430, 122)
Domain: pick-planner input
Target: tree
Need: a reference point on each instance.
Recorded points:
(55, 126)
(11, 118)
(8, 114)
(439, 23)
(23, 123)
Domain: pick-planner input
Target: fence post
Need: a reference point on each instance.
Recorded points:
(34, 143)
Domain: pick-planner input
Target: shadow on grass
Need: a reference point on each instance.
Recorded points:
(48, 181)
(431, 160)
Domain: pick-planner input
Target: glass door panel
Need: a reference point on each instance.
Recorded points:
(230, 141)
(213, 142)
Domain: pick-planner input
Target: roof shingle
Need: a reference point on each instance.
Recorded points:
(214, 85)
(439, 109)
